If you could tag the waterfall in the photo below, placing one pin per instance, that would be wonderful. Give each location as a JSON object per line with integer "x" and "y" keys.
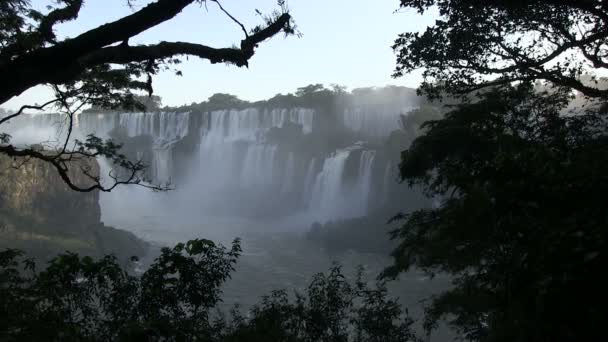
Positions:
{"x": 287, "y": 184}
{"x": 165, "y": 128}
{"x": 386, "y": 183}
{"x": 162, "y": 127}
{"x": 373, "y": 121}
{"x": 278, "y": 118}
{"x": 234, "y": 165}
{"x": 49, "y": 130}
{"x": 162, "y": 165}
{"x": 231, "y": 141}
{"x": 173, "y": 126}
{"x": 233, "y": 125}
{"x": 97, "y": 124}
{"x": 231, "y": 132}
{"x": 248, "y": 124}
{"x": 137, "y": 124}
{"x": 259, "y": 166}
{"x": 331, "y": 198}
{"x": 327, "y": 194}
{"x": 365, "y": 180}
{"x": 308, "y": 181}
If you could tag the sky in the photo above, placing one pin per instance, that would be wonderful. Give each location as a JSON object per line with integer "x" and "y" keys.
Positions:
{"x": 347, "y": 42}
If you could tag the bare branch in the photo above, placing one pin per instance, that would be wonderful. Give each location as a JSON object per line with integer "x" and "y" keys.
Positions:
{"x": 56, "y": 64}
{"x": 20, "y": 111}
{"x": 231, "y": 17}
{"x": 60, "y": 165}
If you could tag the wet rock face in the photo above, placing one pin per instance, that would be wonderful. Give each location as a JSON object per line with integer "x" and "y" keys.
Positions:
{"x": 41, "y": 215}
{"x": 34, "y": 189}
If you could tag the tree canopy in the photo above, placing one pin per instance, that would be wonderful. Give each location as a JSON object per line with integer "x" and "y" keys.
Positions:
{"x": 475, "y": 44}
{"x": 176, "y": 299}
{"x": 518, "y": 172}
{"x": 521, "y": 218}
{"x": 101, "y": 68}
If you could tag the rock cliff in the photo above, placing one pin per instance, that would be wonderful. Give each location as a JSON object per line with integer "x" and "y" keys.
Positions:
{"x": 40, "y": 214}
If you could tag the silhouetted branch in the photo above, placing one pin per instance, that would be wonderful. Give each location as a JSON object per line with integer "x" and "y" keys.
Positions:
{"x": 67, "y": 13}
{"x": 231, "y": 17}
{"x": 61, "y": 166}
{"x": 20, "y": 111}
{"x": 57, "y": 63}
{"x": 83, "y": 71}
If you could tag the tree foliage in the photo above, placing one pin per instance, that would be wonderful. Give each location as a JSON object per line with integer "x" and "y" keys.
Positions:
{"x": 495, "y": 42}
{"x": 519, "y": 172}
{"x": 521, "y": 226}
{"x": 176, "y": 299}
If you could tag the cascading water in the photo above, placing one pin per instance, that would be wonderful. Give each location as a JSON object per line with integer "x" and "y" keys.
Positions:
{"x": 48, "y": 130}
{"x": 162, "y": 165}
{"x": 162, "y": 127}
{"x": 259, "y": 166}
{"x": 364, "y": 183}
{"x": 165, "y": 129}
{"x": 333, "y": 199}
{"x": 386, "y": 182}
{"x": 234, "y": 156}
{"x": 309, "y": 182}
{"x": 234, "y": 141}
{"x": 288, "y": 182}
{"x": 173, "y": 126}
{"x": 137, "y": 124}
{"x": 278, "y": 118}
{"x": 97, "y": 124}
{"x": 373, "y": 121}
{"x": 328, "y": 196}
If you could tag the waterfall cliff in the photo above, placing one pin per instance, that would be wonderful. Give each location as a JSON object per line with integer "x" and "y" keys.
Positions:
{"x": 330, "y": 162}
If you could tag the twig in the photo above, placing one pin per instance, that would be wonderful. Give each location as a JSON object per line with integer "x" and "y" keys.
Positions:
{"x": 41, "y": 107}
{"x": 231, "y": 17}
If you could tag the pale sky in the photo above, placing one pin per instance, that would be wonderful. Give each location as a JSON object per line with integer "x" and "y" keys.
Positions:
{"x": 344, "y": 41}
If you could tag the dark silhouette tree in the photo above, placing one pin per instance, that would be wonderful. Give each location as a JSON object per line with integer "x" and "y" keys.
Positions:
{"x": 519, "y": 173}
{"x": 521, "y": 226}
{"x": 176, "y": 298}
{"x": 99, "y": 67}
{"x": 475, "y": 44}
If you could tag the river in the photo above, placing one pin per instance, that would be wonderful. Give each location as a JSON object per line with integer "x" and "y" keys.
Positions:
{"x": 276, "y": 254}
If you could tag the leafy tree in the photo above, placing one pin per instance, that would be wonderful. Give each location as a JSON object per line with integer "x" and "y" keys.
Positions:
{"x": 475, "y": 44}
{"x": 520, "y": 173}
{"x": 411, "y": 122}
{"x": 310, "y": 89}
{"x": 99, "y": 67}
{"x": 219, "y": 100}
{"x": 521, "y": 226}
{"x": 82, "y": 299}
{"x": 145, "y": 102}
{"x": 77, "y": 299}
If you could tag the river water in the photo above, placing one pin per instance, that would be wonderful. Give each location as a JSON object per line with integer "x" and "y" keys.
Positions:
{"x": 276, "y": 254}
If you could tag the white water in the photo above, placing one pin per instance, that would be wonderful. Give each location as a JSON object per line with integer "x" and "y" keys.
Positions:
{"x": 364, "y": 184}
{"x": 328, "y": 195}
{"x": 288, "y": 181}
{"x": 386, "y": 182}
{"x": 259, "y": 166}
{"x": 234, "y": 157}
{"x": 374, "y": 122}
{"x": 309, "y": 182}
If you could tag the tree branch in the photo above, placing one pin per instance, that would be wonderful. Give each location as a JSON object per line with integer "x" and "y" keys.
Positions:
{"x": 46, "y": 65}
{"x": 60, "y": 165}
{"x": 67, "y": 13}
{"x": 231, "y": 17}
{"x": 20, "y": 111}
